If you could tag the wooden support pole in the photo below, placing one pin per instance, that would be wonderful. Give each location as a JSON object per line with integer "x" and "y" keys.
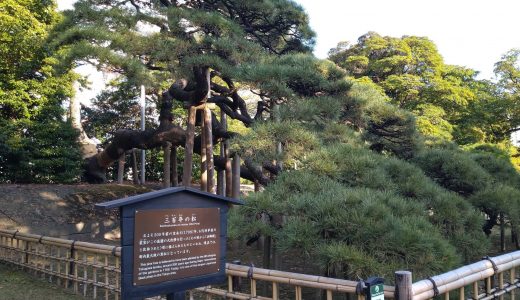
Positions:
{"x": 121, "y": 169}
{"x": 167, "y": 165}
{"x": 403, "y": 285}
{"x": 221, "y": 174}
{"x": 188, "y": 150}
{"x": 203, "y": 159}
{"x": 174, "y": 172}
{"x": 135, "y": 176}
{"x": 221, "y": 190}
{"x": 208, "y": 127}
{"x": 229, "y": 171}
{"x": 236, "y": 177}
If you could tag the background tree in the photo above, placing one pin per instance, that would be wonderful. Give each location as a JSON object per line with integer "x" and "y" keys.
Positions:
{"x": 36, "y": 144}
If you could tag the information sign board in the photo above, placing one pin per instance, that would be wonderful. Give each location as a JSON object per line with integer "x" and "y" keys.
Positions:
{"x": 175, "y": 243}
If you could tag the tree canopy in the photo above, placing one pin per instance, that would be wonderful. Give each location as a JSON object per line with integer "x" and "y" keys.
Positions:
{"x": 36, "y": 145}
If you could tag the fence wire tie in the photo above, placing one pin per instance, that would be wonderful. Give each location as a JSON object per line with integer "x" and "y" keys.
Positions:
{"x": 114, "y": 251}
{"x": 40, "y": 239}
{"x": 15, "y": 233}
{"x": 250, "y": 271}
{"x": 435, "y": 289}
{"x": 495, "y": 269}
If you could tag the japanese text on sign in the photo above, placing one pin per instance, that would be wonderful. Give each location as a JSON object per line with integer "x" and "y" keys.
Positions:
{"x": 171, "y": 244}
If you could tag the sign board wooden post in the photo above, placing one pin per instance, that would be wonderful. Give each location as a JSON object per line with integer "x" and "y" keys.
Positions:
{"x": 172, "y": 240}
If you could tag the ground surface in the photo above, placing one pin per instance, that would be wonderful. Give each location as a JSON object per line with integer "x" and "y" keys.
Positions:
{"x": 64, "y": 211}
{"x": 18, "y": 285}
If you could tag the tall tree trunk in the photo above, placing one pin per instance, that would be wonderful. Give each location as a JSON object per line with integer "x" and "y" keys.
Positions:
{"x": 135, "y": 175}
{"x": 502, "y": 233}
{"x": 87, "y": 146}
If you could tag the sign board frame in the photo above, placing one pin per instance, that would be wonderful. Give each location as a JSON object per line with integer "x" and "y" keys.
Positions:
{"x": 167, "y": 200}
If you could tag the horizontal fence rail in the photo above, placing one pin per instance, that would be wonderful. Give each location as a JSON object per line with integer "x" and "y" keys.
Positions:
{"x": 279, "y": 282}
{"x": 88, "y": 269}
{"x": 490, "y": 278}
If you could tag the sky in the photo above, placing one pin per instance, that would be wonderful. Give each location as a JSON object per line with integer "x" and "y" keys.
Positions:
{"x": 471, "y": 33}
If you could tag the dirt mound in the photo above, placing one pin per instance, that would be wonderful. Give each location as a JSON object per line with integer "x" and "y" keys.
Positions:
{"x": 65, "y": 211}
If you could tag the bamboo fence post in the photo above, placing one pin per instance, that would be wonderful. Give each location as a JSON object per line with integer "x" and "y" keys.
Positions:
{"x": 85, "y": 274}
{"x": 461, "y": 294}
{"x": 447, "y": 296}
{"x": 475, "y": 290}
{"x": 166, "y": 166}
{"x": 208, "y": 128}
{"x": 107, "y": 282}
{"x": 203, "y": 158}
{"x": 512, "y": 279}
{"x": 488, "y": 285}
{"x": 501, "y": 284}
{"x": 236, "y": 177}
{"x": 117, "y": 279}
{"x": 298, "y": 292}
{"x": 329, "y": 295}
{"x": 276, "y": 291}
{"x": 253, "y": 287}
{"x": 26, "y": 256}
{"x": 58, "y": 255}
{"x": 230, "y": 283}
{"x": 188, "y": 150}
{"x": 403, "y": 285}
{"x": 121, "y": 168}
{"x": 51, "y": 263}
{"x": 68, "y": 264}
{"x": 75, "y": 268}
{"x": 94, "y": 275}
{"x": 174, "y": 173}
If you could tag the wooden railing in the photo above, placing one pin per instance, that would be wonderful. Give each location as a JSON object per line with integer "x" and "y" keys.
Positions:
{"x": 291, "y": 285}
{"x": 89, "y": 269}
{"x": 490, "y": 278}
{"x": 93, "y": 270}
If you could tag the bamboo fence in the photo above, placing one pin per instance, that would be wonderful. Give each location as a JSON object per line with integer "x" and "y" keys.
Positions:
{"x": 88, "y": 269}
{"x": 490, "y": 278}
{"x": 93, "y": 270}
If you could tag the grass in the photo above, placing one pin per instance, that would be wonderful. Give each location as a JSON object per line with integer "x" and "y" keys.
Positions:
{"x": 18, "y": 285}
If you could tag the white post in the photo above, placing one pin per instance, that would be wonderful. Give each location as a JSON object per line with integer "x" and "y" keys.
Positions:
{"x": 143, "y": 153}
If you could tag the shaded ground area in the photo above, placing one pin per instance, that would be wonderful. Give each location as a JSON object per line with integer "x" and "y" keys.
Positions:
{"x": 64, "y": 211}
{"x": 18, "y": 285}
